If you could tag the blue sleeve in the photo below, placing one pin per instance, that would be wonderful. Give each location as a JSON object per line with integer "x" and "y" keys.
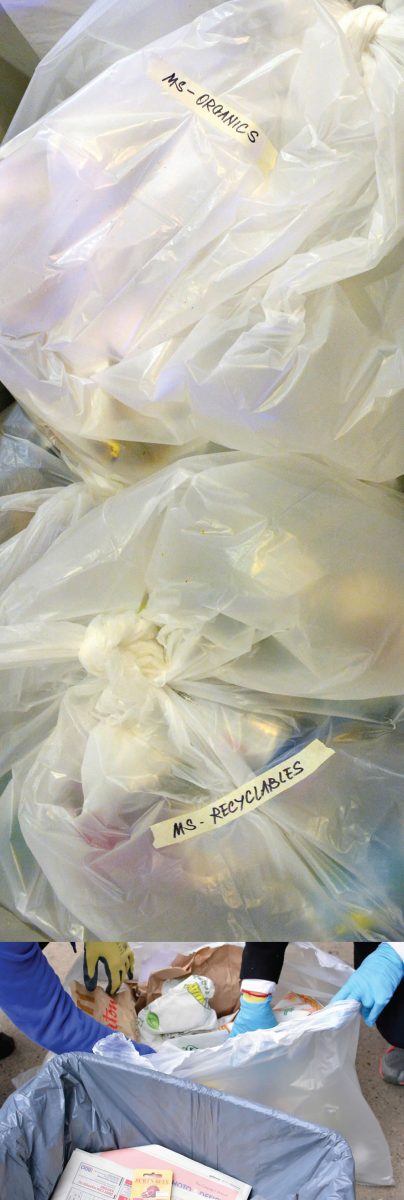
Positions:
{"x": 33, "y": 997}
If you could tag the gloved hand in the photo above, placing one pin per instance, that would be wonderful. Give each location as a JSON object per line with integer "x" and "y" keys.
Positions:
{"x": 374, "y": 983}
{"x": 116, "y": 957}
{"x": 253, "y": 1016}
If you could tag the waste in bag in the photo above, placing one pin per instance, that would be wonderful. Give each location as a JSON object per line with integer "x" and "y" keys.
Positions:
{"x": 258, "y": 155}
{"x": 143, "y": 652}
{"x": 305, "y": 1067}
{"x": 83, "y": 1101}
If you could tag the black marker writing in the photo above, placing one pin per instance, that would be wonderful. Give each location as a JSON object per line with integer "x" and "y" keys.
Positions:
{"x": 179, "y": 829}
{"x": 173, "y": 81}
{"x": 209, "y": 103}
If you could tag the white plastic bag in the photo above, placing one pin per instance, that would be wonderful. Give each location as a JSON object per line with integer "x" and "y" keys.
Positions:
{"x": 107, "y": 31}
{"x": 253, "y": 574}
{"x": 305, "y": 1068}
{"x": 184, "y": 1006}
{"x": 166, "y": 288}
{"x": 24, "y": 888}
{"x": 140, "y": 652}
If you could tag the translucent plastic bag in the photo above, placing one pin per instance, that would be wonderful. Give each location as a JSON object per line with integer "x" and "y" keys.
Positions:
{"x": 327, "y": 863}
{"x": 107, "y": 31}
{"x": 148, "y": 641}
{"x": 305, "y": 1068}
{"x": 223, "y": 569}
{"x": 24, "y": 888}
{"x": 242, "y": 285}
{"x": 36, "y": 506}
{"x": 29, "y": 473}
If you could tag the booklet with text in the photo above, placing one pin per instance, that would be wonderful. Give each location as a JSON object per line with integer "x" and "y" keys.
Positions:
{"x": 191, "y": 1180}
{"x": 90, "y": 1177}
{"x": 110, "y": 1175}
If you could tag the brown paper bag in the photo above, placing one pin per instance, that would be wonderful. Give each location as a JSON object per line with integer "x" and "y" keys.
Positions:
{"x": 222, "y": 964}
{"x": 118, "y": 1013}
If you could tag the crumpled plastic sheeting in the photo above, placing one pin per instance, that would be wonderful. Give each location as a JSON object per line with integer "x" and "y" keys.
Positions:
{"x": 253, "y": 310}
{"x": 222, "y": 570}
{"x": 24, "y": 888}
{"x": 305, "y": 861}
{"x": 140, "y": 650}
{"x": 78, "y": 1100}
{"x": 107, "y": 31}
{"x": 44, "y": 22}
{"x": 36, "y": 506}
{"x": 29, "y": 474}
{"x": 306, "y": 1067}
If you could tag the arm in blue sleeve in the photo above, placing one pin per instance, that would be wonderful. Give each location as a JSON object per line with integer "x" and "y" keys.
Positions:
{"x": 33, "y": 997}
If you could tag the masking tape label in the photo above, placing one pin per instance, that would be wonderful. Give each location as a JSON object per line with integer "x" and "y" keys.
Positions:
{"x": 245, "y": 799}
{"x": 219, "y": 113}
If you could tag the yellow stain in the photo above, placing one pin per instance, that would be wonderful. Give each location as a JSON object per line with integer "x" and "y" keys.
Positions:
{"x": 114, "y": 448}
{"x": 359, "y": 920}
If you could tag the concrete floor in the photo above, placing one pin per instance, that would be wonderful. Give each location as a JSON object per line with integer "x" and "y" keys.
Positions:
{"x": 387, "y": 1102}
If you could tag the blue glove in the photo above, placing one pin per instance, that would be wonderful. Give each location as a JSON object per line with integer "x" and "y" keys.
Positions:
{"x": 374, "y": 983}
{"x": 253, "y": 1016}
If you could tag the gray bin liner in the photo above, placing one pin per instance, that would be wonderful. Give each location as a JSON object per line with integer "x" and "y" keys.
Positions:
{"x": 79, "y": 1101}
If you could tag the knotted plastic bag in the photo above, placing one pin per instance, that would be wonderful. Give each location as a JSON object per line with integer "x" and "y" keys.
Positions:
{"x": 153, "y": 658}
{"x": 211, "y": 247}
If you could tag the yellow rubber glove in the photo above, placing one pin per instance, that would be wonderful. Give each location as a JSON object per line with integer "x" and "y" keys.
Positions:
{"x": 117, "y": 959}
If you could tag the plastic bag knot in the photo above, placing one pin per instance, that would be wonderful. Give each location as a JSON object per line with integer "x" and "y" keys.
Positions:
{"x": 125, "y": 633}
{"x": 361, "y": 27}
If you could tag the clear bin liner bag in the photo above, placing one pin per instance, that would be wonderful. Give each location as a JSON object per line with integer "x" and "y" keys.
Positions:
{"x": 141, "y": 650}
{"x": 177, "y": 281}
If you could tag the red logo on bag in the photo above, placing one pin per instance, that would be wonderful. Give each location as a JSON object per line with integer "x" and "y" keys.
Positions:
{"x": 111, "y": 1015}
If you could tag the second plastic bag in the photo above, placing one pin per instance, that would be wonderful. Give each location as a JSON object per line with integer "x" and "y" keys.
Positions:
{"x": 305, "y": 1068}
{"x": 157, "y": 769}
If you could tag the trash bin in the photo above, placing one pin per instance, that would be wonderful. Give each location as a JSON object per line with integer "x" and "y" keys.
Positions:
{"x": 79, "y": 1101}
